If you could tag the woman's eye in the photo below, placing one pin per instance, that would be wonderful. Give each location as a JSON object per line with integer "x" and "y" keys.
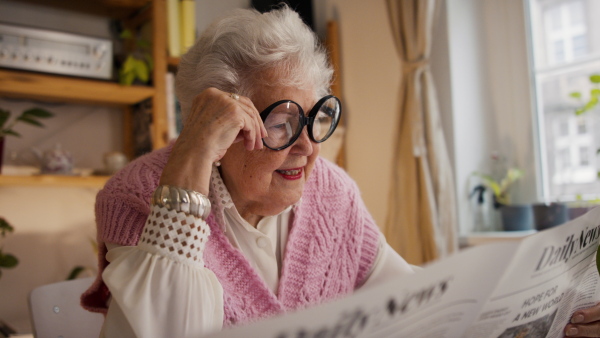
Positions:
{"x": 278, "y": 126}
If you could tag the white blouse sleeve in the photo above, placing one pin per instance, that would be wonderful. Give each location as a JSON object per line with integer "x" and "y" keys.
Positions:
{"x": 160, "y": 288}
{"x": 388, "y": 264}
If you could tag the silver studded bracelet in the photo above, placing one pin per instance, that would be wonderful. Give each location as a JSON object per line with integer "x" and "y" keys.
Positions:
{"x": 179, "y": 199}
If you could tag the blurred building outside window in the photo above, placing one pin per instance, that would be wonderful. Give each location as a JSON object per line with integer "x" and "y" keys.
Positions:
{"x": 565, "y": 46}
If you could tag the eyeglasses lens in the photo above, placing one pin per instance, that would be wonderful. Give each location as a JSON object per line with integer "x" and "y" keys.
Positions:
{"x": 282, "y": 124}
{"x": 325, "y": 119}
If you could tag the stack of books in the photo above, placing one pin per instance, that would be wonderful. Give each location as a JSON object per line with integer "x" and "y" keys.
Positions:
{"x": 181, "y": 26}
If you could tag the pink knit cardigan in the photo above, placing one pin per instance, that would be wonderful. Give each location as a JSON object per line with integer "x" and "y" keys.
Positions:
{"x": 331, "y": 246}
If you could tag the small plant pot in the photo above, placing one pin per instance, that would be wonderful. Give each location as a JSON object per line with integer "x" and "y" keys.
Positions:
{"x": 550, "y": 215}
{"x": 575, "y": 212}
{"x": 517, "y": 217}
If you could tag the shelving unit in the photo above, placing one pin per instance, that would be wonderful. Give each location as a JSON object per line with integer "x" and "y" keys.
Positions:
{"x": 54, "y": 180}
{"x": 73, "y": 90}
{"x": 53, "y": 88}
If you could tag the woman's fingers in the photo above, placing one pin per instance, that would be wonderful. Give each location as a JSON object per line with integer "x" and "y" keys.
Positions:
{"x": 585, "y": 323}
{"x": 256, "y": 114}
{"x": 583, "y": 330}
{"x": 216, "y": 121}
{"x": 589, "y": 315}
{"x": 255, "y": 130}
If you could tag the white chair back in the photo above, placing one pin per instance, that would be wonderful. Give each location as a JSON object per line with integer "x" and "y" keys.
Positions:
{"x": 56, "y": 311}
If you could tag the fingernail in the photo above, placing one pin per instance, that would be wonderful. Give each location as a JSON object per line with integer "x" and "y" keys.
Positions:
{"x": 572, "y": 331}
{"x": 577, "y": 319}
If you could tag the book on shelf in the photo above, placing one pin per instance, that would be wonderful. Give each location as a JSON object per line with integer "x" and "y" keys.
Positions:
{"x": 173, "y": 34}
{"x": 181, "y": 26}
{"x": 525, "y": 288}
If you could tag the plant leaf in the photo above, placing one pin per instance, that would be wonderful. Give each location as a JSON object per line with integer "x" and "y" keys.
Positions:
{"x": 38, "y": 112}
{"x": 595, "y": 92}
{"x": 149, "y": 61}
{"x": 129, "y": 64}
{"x": 75, "y": 272}
{"x": 141, "y": 71}
{"x": 126, "y": 78}
{"x": 143, "y": 43}
{"x": 8, "y": 261}
{"x": 591, "y": 103}
{"x": 11, "y": 132}
{"x": 30, "y": 120}
{"x": 4, "y": 116}
{"x": 126, "y": 34}
{"x": 575, "y": 95}
{"x": 5, "y": 227}
{"x": 595, "y": 78}
{"x": 489, "y": 182}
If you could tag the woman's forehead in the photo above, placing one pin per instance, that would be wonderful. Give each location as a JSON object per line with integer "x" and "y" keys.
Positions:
{"x": 268, "y": 95}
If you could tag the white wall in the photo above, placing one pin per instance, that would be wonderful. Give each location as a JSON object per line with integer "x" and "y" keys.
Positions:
{"x": 370, "y": 70}
{"x": 53, "y": 232}
{"x": 469, "y": 107}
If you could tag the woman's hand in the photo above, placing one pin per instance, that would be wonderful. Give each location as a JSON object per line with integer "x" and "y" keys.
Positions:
{"x": 585, "y": 323}
{"x": 215, "y": 122}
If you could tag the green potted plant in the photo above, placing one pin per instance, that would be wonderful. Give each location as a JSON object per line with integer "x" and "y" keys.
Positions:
{"x": 138, "y": 62}
{"x": 514, "y": 216}
{"x": 7, "y": 260}
{"x": 30, "y": 116}
{"x": 500, "y": 187}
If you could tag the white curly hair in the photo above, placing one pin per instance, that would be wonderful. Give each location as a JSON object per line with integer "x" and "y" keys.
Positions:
{"x": 234, "y": 51}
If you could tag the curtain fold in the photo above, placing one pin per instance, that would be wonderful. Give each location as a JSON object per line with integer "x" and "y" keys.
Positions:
{"x": 421, "y": 221}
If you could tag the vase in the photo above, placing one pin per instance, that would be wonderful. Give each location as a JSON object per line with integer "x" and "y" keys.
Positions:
{"x": 550, "y": 215}
{"x": 575, "y": 212}
{"x": 517, "y": 217}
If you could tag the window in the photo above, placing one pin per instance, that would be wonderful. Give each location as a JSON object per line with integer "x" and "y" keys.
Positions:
{"x": 584, "y": 158}
{"x": 579, "y": 46}
{"x": 564, "y": 128}
{"x": 581, "y": 126}
{"x": 565, "y": 42}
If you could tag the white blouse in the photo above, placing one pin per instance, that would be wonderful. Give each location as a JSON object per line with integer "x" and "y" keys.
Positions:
{"x": 156, "y": 286}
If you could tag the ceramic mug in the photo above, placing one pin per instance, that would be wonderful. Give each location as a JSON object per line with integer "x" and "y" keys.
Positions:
{"x": 114, "y": 161}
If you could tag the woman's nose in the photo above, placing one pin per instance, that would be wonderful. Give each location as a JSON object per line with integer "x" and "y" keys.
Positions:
{"x": 303, "y": 145}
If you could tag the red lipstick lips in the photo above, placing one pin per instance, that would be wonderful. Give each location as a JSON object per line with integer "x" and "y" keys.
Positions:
{"x": 291, "y": 174}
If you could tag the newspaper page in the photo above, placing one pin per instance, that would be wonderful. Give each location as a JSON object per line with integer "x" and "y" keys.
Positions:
{"x": 552, "y": 274}
{"x": 441, "y": 300}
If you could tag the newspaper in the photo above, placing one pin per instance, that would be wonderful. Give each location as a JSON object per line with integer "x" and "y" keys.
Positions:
{"x": 526, "y": 288}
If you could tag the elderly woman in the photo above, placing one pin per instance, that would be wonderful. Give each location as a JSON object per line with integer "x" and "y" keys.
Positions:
{"x": 239, "y": 219}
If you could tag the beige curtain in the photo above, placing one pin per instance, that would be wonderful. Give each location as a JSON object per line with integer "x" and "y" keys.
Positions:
{"x": 421, "y": 220}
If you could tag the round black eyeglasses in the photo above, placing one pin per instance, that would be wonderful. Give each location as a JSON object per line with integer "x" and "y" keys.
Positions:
{"x": 284, "y": 121}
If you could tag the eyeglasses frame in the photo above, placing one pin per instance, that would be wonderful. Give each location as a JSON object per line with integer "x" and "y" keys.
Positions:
{"x": 305, "y": 121}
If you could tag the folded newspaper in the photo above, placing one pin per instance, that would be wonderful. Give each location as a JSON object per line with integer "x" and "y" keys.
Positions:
{"x": 525, "y": 288}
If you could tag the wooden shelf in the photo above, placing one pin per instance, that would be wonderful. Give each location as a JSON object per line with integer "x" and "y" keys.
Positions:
{"x": 117, "y": 9}
{"x": 54, "y": 181}
{"x": 65, "y": 89}
{"x": 173, "y": 61}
